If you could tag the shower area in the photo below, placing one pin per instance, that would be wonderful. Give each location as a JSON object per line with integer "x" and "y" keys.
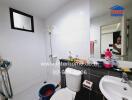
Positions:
{"x": 52, "y": 67}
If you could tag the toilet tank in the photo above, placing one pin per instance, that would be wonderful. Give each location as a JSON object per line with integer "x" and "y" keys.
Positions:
{"x": 73, "y": 79}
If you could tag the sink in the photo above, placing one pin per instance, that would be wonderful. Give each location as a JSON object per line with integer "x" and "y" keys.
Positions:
{"x": 113, "y": 89}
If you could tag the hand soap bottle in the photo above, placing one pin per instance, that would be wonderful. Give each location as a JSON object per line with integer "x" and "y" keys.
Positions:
{"x": 108, "y": 56}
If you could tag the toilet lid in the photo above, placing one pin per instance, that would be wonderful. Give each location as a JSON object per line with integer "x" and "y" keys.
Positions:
{"x": 63, "y": 94}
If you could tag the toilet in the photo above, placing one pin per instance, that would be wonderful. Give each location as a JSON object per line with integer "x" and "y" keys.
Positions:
{"x": 73, "y": 83}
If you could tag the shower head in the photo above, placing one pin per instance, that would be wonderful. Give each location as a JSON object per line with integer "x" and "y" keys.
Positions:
{"x": 50, "y": 29}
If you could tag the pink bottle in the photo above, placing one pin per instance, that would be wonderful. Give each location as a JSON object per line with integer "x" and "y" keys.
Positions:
{"x": 107, "y": 62}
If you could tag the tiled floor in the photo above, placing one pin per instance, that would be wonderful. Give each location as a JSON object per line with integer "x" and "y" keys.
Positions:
{"x": 29, "y": 94}
{"x": 33, "y": 92}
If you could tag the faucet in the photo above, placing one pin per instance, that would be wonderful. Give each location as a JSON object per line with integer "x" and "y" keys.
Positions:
{"x": 124, "y": 78}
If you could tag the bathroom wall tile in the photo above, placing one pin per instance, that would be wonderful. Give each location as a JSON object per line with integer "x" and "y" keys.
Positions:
{"x": 86, "y": 74}
{"x": 116, "y": 74}
{"x": 63, "y": 82}
{"x": 95, "y": 81}
{"x": 95, "y": 96}
{"x": 98, "y": 72}
{"x": 83, "y": 94}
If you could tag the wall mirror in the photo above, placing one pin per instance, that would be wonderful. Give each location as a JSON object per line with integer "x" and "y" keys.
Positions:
{"x": 111, "y": 38}
{"x": 115, "y": 37}
{"x": 113, "y": 32}
{"x": 21, "y": 21}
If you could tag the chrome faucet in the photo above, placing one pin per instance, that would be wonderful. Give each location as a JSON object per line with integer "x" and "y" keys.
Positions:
{"x": 124, "y": 78}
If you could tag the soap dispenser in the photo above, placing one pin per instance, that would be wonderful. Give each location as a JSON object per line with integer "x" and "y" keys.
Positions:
{"x": 108, "y": 58}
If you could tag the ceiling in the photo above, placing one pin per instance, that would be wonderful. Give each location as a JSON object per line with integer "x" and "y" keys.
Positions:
{"x": 100, "y": 7}
{"x": 44, "y": 8}
{"x": 111, "y": 28}
{"x": 40, "y": 8}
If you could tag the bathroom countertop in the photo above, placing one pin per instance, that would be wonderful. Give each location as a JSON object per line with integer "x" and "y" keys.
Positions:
{"x": 91, "y": 73}
{"x": 65, "y": 62}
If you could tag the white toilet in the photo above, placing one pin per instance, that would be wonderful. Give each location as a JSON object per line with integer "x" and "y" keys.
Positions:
{"x": 73, "y": 82}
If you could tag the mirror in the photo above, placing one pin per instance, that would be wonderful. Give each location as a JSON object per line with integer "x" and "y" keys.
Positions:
{"x": 111, "y": 38}
{"x": 21, "y": 21}
{"x": 113, "y": 32}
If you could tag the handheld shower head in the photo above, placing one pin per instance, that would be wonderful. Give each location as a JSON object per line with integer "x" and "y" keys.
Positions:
{"x": 50, "y": 29}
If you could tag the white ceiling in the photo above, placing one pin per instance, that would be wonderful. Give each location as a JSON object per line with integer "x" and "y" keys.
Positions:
{"x": 111, "y": 28}
{"x": 40, "y": 8}
{"x": 44, "y": 8}
{"x": 100, "y": 7}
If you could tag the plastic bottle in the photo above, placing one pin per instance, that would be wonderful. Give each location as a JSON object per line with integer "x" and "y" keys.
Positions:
{"x": 114, "y": 62}
{"x": 108, "y": 56}
{"x": 70, "y": 56}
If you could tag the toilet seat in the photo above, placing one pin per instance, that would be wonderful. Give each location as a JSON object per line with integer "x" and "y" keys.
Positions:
{"x": 64, "y": 94}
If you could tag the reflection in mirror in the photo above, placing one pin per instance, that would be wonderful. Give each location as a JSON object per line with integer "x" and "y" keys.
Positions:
{"x": 21, "y": 21}
{"x": 111, "y": 38}
{"x": 113, "y": 32}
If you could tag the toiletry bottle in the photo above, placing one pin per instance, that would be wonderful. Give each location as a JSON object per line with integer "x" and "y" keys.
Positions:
{"x": 107, "y": 62}
{"x": 114, "y": 62}
{"x": 70, "y": 56}
{"x": 76, "y": 58}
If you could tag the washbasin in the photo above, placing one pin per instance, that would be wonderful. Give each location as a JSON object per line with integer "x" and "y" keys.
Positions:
{"x": 114, "y": 89}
